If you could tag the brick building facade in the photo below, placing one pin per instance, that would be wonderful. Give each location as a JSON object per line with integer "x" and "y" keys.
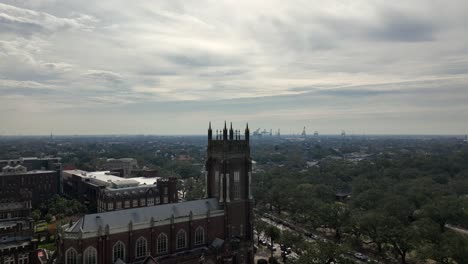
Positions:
{"x": 217, "y": 229}
{"x": 39, "y": 164}
{"x": 42, "y": 184}
{"x": 16, "y": 228}
{"x": 163, "y": 192}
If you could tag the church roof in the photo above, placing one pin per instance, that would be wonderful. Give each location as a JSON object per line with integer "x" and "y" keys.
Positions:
{"x": 150, "y": 260}
{"x": 91, "y": 222}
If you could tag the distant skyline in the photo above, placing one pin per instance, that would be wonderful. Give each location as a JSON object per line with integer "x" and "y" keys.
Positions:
{"x": 169, "y": 67}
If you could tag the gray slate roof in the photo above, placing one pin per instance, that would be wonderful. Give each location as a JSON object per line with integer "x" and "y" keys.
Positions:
{"x": 91, "y": 222}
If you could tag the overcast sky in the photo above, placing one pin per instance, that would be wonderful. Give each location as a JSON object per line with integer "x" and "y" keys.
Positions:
{"x": 170, "y": 67}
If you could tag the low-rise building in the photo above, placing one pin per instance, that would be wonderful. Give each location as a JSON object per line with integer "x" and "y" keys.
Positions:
{"x": 125, "y": 165}
{"x": 102, "y": 191}
{"x": 41, "y": 183}
{"x": 38, "y": 164}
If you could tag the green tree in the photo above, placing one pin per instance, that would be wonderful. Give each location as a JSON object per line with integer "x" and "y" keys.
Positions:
{"x": 445, "y": 210}
{"x": 259, "y": 227}
{"x": 373, "y": 225}
{"x": 335, "y": 216}
{"x": 36, "y": 215}
{"x": 292, "y": 239}
{"x": 324, "y": 252}
{"x": 273, "y": 233}
{"x": 402, "y": 237}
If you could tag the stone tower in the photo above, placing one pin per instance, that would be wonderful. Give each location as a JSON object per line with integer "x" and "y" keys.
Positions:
{"x": 228, "y": 178}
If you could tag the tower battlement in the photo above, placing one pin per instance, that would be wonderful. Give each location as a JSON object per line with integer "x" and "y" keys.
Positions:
{"x": 228, "y": 141}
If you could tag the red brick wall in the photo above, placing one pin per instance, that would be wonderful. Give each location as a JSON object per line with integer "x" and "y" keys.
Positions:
{"x": 214, "y": 228}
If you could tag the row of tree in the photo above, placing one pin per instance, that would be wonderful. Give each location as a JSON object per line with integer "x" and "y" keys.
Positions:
{"x": 394, "y": 204}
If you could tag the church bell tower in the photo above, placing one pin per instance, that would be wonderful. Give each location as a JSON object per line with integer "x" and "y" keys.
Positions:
{"x": 228, "y": 178}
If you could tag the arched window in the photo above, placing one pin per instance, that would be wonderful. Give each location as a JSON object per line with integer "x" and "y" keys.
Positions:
{"x": 70, "y": 256}
{"x": 181, "y": 239}
{"x": 90, "y": 256}
{"x": 23, "y": 258}
{"x": 199, "y": 236}
{"x": 216, "y": 183}
{"x": 118, "y": 251}
{"x": 9, "y": 260}
{"x": 161, "y": 243}
{"x": 140, "y": 247}
{"x": 237, "y": 191}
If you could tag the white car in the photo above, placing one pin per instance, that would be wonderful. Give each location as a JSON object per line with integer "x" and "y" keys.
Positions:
{"x": 361, "y": 256}
{"x": 271, "y": 246}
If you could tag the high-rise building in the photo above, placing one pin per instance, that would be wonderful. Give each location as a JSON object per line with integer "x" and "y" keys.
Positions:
{"x": 17, "y": 244}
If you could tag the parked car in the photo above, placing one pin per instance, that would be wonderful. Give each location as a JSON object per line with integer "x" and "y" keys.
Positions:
{"x": 312, "y": 235}
{"x": 271, "y": 246}
{"x": 361, "y": 256}
{"x": 292, "y": 256}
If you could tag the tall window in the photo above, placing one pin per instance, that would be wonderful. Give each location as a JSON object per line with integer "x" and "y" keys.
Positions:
{"x": 135, "y": 203}
{"x": 158, "y": 200}
{"x": 70, "y": 256}
{"x": 9, "y": 260}
{"x": 236, "y": 185}
{"x": 140, "y": 250}
{"x": 23, "y": 258}
{"x": 142, "y": 202}
{"x": 118, "y": 205}
{"x": 216, "y": 183}
{"x": 199, "y": 236}
{"x": 110, "y": 206}
{"x": 90, "y": 256}
{"x": 127, "y": 204}
{"x": 118, "y": 252}
{"x": 181, "y": 239}
{"x": 150, "y": 201}
{"x": 161, "y": 243}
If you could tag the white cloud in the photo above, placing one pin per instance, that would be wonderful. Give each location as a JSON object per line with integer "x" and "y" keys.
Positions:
{"x": 104, "y": 54}
{"x": 26, "y": 21}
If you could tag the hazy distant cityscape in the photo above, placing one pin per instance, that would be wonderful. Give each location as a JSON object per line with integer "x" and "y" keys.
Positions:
{"x": 233, "y": 132}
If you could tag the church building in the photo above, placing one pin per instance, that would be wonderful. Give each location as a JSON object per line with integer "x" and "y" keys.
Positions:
{"x": 216, "y": 229}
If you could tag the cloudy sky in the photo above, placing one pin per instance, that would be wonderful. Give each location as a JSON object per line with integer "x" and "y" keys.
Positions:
{"x": 169, "y": 67}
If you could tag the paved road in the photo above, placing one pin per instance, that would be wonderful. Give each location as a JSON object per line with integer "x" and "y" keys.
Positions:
{"x": 457, "y": 229}
{"x": 308, "y": 239}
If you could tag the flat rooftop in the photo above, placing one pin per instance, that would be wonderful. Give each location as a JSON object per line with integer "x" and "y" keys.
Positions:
{"x": 28, "y": 172}
{"x": 109, "y": 180}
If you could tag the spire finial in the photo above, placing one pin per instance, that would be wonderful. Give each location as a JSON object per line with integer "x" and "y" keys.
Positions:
{"x": 210, "y": 132}
{"x": 247, "y": 133}
{"x": 231, "y": 133}
{"x": 225, "y": 133}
